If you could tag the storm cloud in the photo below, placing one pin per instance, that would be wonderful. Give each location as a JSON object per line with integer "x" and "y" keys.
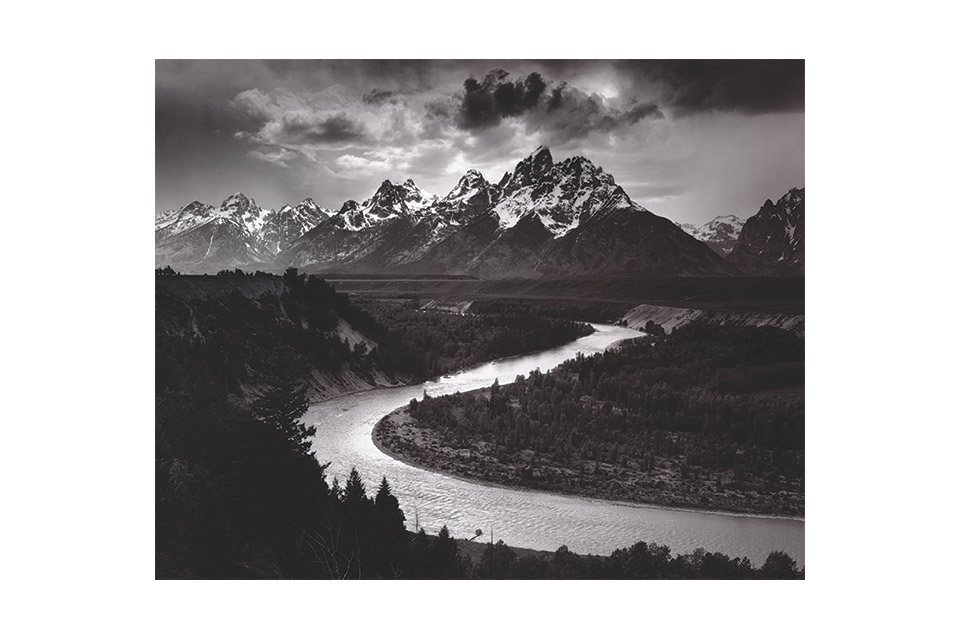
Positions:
{"x": 751, "y": 86}
{"x": 688, "y": 139}
{"x": 486, "y": 102}
{"x": 562, "y": 111}
{"x": 571, "y": 114}
{"x": 337, "y": 128}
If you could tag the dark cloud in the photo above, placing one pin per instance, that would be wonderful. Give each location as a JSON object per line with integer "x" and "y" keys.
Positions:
{"x": 335, "y": 129}
{"x": 410, "y": 75}
{"x": 514, "y": 98}
{"x": 746, "y": 86}
{"x": 556, "y": 96}
{"x": 639, "y": 111}
{"x": 573, "y": 114}
{"x": 486, "y": 102}
{"x": 564, "y": 111}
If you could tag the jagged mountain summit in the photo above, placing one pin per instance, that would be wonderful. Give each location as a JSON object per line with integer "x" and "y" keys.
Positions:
{"x": 201, "y": 238}
{"x": 568, "y": 217}
{"x": 771, "y": 242}
{"x": 390, "y": 202}
{"x": 720, "y": 234}
{"x": 376, "y": 233}
{"x": 542, "y": 218}
{"x": 558, "y": 195}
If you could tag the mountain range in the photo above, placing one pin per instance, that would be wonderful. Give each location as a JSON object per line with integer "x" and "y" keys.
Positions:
{"x": 542, "y": 218}
{"x": 202, "y": 238}
{"x": 720, "y": 234}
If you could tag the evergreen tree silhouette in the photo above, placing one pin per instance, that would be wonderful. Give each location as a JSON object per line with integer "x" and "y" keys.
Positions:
{"x": 281, "y": 408}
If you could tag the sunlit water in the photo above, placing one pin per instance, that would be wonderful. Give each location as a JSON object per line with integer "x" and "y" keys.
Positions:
{"x": 528, "y": 519}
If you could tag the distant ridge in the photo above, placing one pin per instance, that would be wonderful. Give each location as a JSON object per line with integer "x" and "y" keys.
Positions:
{"x": 542, "y": 218}
{"x": 720, "y": 234}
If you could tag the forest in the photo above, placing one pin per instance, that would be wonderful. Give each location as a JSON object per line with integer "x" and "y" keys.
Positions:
{"x": 239, "y": 493}
{"x": 239, "y": 341}
{"x": 709, "y": 417}
{"x": 436, "y": 342}
{"x": 641, "y": 561}
{"x": 235, "y": 342}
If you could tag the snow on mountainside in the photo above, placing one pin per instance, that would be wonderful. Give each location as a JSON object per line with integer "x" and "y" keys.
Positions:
{"x": 290, "y": 223}
{"x": 568, "y": 217}
{"x": 199, "y": 237}
{"x": 720, "y": 234}
{"x": 772, "y": 240}
{"x": 393, "y": 227}
{"x": 560, "y": 195}
{"x": 389, "y": 203}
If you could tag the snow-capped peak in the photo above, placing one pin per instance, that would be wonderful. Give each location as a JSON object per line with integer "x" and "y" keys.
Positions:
{"x": 236, "y": 201}
{"x": 414, "y": 197}
{"x": 721, "y": 233}
{"x": 307, "y": 210}
{"x": 530, "y": 169}
{"x": 561, "y": 195}
{"x": 469, "y": 184}
{"x": 721, "y": 229}
{"x": 243, "y": 210}
{"x": 390, "y": 201}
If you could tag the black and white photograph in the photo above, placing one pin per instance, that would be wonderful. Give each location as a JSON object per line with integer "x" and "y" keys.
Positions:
{"x": 480, "y": 319}
{"x": 500, "y": 320}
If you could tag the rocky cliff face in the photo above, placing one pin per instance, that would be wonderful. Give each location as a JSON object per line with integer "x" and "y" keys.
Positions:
{"x": 772, "y": 240}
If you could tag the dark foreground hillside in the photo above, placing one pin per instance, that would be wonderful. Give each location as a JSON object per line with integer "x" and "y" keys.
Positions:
{"x": 242, "y": 332}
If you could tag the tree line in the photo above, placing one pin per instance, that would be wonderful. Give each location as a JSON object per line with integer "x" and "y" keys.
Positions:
{"x": 725, "y": 402}
{"x": 641, "y": 561}
{"x": 436, "y": 342}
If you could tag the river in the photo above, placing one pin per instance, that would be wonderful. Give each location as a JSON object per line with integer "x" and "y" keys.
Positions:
{"x": 530, "y": 519}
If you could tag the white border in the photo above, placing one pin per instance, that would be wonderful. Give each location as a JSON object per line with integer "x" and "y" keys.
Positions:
{"x": 77, "y": 476}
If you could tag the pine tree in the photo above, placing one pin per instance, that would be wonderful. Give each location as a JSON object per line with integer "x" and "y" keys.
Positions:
{"x": 383, "y": 493}
{"x": 355, "y": 492}
{"x": 388, "y": 507}
{"x": 281, "y": 409}
{"x": 445, "y": 561}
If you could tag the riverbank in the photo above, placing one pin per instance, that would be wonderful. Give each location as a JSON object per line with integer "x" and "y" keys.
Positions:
{"x": 400, "y": 436}
{"x": 672, "y": 317}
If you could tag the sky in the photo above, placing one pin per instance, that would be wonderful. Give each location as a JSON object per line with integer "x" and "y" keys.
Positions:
{"x": 688, "y": 139}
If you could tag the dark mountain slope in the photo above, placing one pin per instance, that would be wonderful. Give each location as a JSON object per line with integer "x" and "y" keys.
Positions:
{"x": 772, "y": 240}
